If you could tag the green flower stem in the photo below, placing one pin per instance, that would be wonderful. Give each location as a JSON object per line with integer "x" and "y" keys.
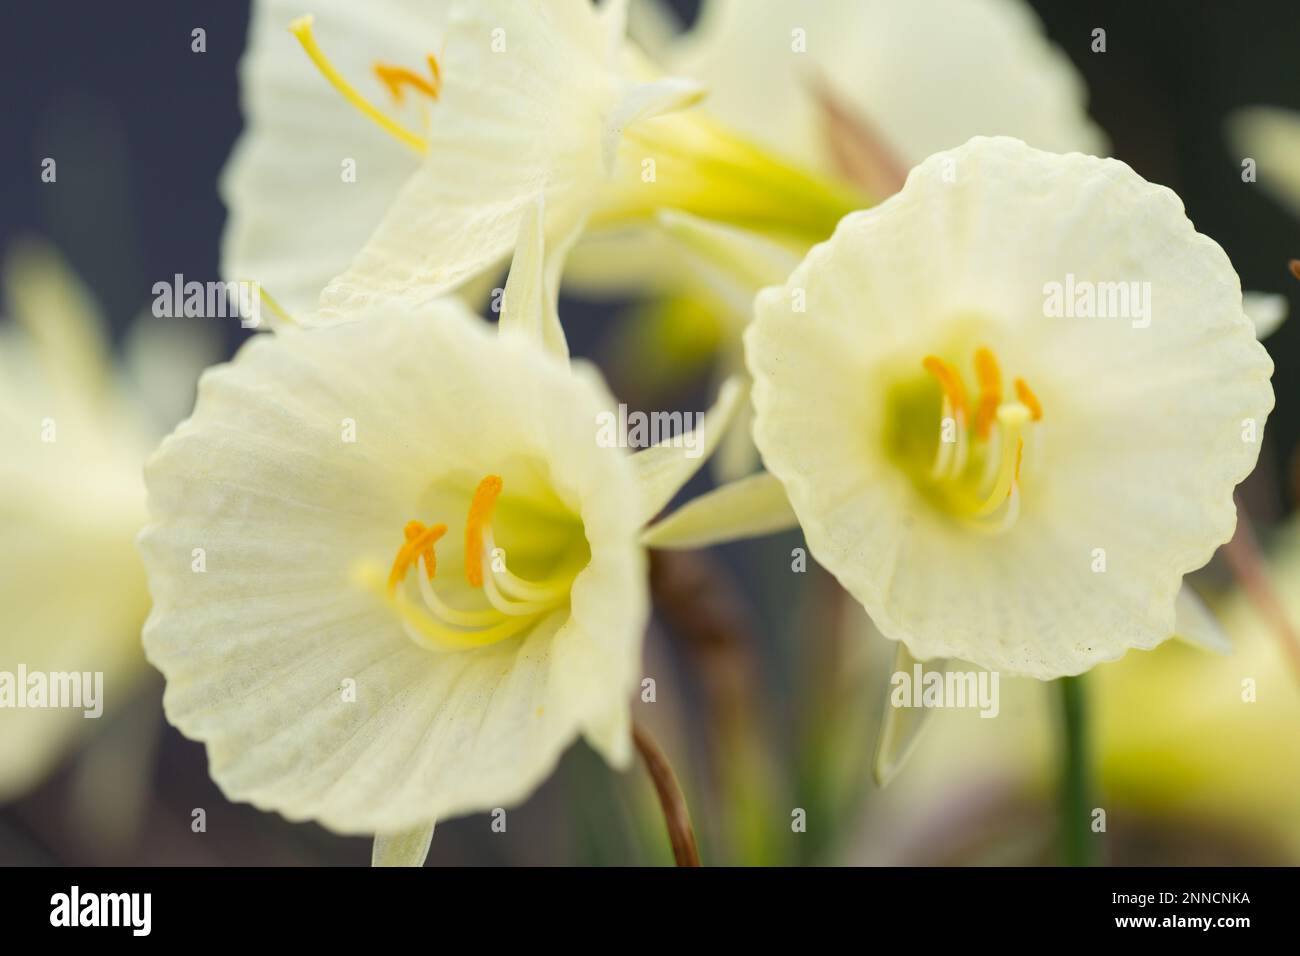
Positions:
{"x": 1076, "y": 834}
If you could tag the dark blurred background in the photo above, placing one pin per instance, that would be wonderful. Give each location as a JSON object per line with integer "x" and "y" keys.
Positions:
{"x": 141, "y": 205}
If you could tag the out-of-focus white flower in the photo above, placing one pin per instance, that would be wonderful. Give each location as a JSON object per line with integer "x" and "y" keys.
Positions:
{"x": 1270, "y": 135}
{"x": 75, "y": 433}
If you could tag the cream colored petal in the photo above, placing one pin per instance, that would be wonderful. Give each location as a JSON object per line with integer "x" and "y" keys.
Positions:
{"x": 664, "y": 468}
{"x": 1146, "y": 428}
{"x": 1267, "y": 310}
{"x": 746, "y": 508}
{"x": 262, "y": 650}
{"x": 526, "y": 88}
{"x": 1270, "y": 135}
{"x": 645, "y": 101}
{"x": 1195, "y": 624}
{"x": 529, "y": 304}
{"x": 72, "y": 589}
{"x": 311, "y": 177}
{"x": 737, "y": 455}
{"x": 927, "y": 74}
{"x": 408, "y": 848}
{"x": 900, "y": 727}
{"x": 61, "y": 320}
{"x": 732, "y": 263}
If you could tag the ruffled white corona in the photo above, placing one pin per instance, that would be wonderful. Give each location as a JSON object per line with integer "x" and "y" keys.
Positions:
{"x": 993, "y": 481}
{"x": 423, "y": 578}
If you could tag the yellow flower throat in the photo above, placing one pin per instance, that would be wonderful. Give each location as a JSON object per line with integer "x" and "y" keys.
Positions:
{"x": 975, "y": 470}
{"x": 511, "y": 603}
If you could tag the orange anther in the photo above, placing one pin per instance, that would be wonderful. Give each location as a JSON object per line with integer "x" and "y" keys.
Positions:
{"x": 480, "y": 515}
{"x": 398, "y": 78}
{"x": 1029, "y": 399}
{"x": 990, "y": 381}
{"x": 949, "y": 380}
{"x": 419, "y": 540}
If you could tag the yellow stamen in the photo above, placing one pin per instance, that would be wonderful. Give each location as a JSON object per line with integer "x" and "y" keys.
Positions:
{"x": 1029, "y": 399}
{"x": 990, "y": 381}
{"x": 949, "y": 380}
{"x": 480, "y": 515}
{"x": 398, "y": 78}
{"x": 301, "y": 28}
{"x": 1012, "y": 417}
{"x": 276, "y": 308}
{"x": 419, "y": 541}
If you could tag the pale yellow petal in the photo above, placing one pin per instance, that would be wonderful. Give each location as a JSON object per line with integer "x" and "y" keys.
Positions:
{"x": 900, "y": 727}
{"x": 1195, "y": 624}
{"x": 310, "y": 177}
{"x": 1270, "y": 135}
{"x": 664, "y": 468}
{"x": 407, "y": 848}
{"x": 745, "y": 508}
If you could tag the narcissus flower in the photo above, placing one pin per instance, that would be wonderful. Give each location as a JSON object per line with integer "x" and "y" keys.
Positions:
{"x": 924, "y": 76}
{"x": 422, "y": 578}
{"x": 310, "y": 178}
{"x": 502, "y": 103}
{"x": 992, "y": 482}
{"x": 75, "y": 432}
{"x": 825, "y": 83}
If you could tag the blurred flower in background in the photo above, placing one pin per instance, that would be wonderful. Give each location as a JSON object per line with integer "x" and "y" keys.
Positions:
{"x": 77, "y": 426}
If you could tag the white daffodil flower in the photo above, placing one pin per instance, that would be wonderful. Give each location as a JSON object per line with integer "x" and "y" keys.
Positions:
{"x": 826, "y": 84}
{"x": 311, "y": 178}
{"x": 998, "y": 476}
{"x": 421, "y": 577}
{"x": 861, "y": 90}
{"x": 505, "y": 102}
{"x": 75, "y": 434}
{"x": 925, "y": 75}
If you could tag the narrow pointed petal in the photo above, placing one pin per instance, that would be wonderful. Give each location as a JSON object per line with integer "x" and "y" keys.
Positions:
{"x": 58, "y": 313}
{"x": 529, "y": 306}
{"x": 900, "y": 727}
{"x": 1194, "y": 623}
{"x": 750, "y": 258}
{"x": 737, "y": 456}
{"x": 409, "y": 848}
{"x": 521, "y": 304}
{"x": 747, "y": 508}
{"x": 663, "y": 469}
{"x": 1266, "y": 309}
{"x": 645, "y": 101}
